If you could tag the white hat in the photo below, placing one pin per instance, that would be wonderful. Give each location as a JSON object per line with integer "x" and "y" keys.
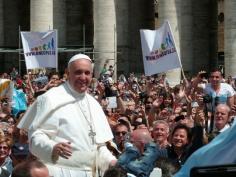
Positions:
{"x": 78, "y": 57}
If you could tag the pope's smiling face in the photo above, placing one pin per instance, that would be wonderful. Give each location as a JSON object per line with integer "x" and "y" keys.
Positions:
{"x": 80, "y": 74}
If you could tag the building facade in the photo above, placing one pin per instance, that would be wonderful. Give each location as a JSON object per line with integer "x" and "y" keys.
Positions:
{"x": 108, "y": 31}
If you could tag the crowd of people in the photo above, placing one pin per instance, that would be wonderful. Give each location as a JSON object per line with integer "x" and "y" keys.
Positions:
{"x": 141, "y": 122}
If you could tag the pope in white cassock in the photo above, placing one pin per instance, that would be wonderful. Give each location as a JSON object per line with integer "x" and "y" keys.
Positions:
{"x": 68, "y": 128}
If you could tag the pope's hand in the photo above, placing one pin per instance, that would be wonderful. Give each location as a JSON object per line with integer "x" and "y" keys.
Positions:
{"x": 63, "y": 150}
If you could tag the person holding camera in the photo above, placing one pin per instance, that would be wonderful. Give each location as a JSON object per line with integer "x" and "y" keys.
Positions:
{"x": 54, "y": 81}
{"x": 215, "y": 91}
{"x": 221, "y": 91}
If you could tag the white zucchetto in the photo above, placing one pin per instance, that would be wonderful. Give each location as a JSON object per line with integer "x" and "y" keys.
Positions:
{"x": 79, "y": 57}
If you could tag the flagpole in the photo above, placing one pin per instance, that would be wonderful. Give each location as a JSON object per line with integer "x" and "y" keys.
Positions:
{"x": 19, "y": 60}
{"x": 115, "y": 56}
{"x": 84, "y": 37}
{"x": 182, "y": 70}
{"x": 176, "y": 50}
{"x": 56, "y": 51}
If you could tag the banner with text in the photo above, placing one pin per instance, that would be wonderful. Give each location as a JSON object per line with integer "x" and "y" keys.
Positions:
{"x": 40, "y": 49}
{"x": 159, "y": 51}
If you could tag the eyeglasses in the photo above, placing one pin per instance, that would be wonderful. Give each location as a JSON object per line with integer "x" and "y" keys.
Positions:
{"x": 123, "y": 133}
{"x": 4, "y": 147}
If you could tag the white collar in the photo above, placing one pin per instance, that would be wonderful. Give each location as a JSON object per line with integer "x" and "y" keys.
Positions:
{"x": 75, "y": 93}
{"x": 225, "y": 128}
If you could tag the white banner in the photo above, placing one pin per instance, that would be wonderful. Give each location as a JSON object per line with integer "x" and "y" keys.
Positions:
{"x": 159, "y": 51}
{"x": 40, "y": 49}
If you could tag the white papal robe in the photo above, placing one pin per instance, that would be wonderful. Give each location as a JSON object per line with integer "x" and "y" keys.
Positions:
{"x": 63, "y": 115}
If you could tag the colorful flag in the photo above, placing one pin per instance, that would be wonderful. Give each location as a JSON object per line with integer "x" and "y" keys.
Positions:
{"x": 159, "y": 50}
{"x": 40, "y": 49}
{"x": 19, "y": 102}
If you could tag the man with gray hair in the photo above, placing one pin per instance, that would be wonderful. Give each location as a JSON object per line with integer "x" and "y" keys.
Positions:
{"x": 222, "y": 116}
{"x": 221, "y": 120}
{"x": 68, "y": 128}
{"x": 160, "y": 133}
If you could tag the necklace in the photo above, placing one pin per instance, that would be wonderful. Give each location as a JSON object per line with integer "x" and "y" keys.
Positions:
{"x": 91, "y": 133}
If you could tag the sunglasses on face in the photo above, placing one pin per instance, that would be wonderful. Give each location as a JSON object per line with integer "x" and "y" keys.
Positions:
{"x": 4, "y": 147}
{"x": 123, "y": 133}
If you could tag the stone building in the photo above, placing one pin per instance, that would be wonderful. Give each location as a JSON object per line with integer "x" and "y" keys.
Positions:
{"x": 108, "y": 31}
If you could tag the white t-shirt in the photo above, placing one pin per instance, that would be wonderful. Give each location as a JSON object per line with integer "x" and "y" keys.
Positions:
{"x": 222, "y": 96}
